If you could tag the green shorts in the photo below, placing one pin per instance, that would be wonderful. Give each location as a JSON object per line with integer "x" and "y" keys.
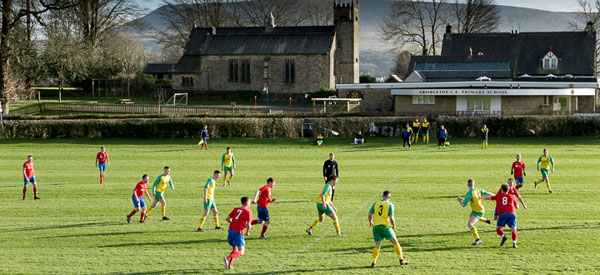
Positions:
{"x": 544, "y": 173}
{"x": 230, "y": 169}
{"x": 327, "y": 211}
{"x": 159, "y": 195}
{"x": 210, "y": 204}
{"x": 381, "y": 233}
{"x": 478, "y": 215}
{"x": 484, "y": 140}
{"x": 426, "y": 134}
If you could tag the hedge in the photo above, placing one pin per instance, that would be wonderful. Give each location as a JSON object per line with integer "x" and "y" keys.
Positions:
{"x": 285, "y": 127}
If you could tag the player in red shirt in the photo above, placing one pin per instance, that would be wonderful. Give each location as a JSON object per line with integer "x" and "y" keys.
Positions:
{"x": 505, "y": 203}
{"x": 513, "y": 191}
{"x": 102, "y": 161}
{"x": 138, "y": 199}
{"x": 29, "y": 176}
{"x": 263, "y": 204}
{"x": 238, "y": 219}
{"x": 518, "y": 170}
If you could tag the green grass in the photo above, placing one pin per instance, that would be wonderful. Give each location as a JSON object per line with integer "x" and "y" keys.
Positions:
{"x": 79, "y": 225}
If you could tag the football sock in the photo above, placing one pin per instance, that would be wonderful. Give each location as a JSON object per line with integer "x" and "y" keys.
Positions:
{"x": 255, "y": 222}
{"x": 375, "y": 254}
{"x": 224, "y": 180}
{"x": 163, "y": 209}
{"x": 539, "y": 181}
{"x": 500, "y": 232}
{"x": 143, "y": 216}
{"x": 486, "y": 145}
{"x": 264, "y": 230}
{"x": 314, "y": 224}
{"x": 230, "y": 178}
{"x": 398, "y": 251}
{"x": 235, "y": 254}
{"x": 132, "y": 213}
{"x": 514, "y": 236}
{"x": 101, "y": 177}
{"x": 474, "y": 232}
{"x": 35, "y": 190}
{"x": 150, "y": 209}
{"x": 483, "y": 219}
{"x": 547, "y": 185}
{"x": 24, "y": 192}
{"x": 216, "y": 218}
{"x": 202, "y": 219}
{"x": 336, "y": 225}
{"x": 518, "y": 186}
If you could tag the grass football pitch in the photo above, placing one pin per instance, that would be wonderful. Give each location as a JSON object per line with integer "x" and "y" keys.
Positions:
{"x": 79, "y": 226}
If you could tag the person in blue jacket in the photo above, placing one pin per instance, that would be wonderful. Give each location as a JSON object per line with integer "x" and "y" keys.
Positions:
{"x": 406, "y": 135}
{"x": 442, "y": 136}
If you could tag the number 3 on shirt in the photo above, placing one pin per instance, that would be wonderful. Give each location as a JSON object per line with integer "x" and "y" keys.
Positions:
{"x": 504, "y": 201}
{"x": 239, "y": 213}
{"x": 380, "y": 210}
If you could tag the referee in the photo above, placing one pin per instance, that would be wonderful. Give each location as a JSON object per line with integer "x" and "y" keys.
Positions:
{"x": 330, "y": 167}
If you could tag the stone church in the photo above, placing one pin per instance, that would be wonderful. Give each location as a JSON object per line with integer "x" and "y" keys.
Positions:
{"x": 284, "y": 60}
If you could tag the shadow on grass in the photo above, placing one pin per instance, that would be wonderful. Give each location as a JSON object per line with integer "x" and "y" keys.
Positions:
{"x": 62, "y": 226}
{"x": 95, "y": 234}
{"x": 364, "y": 269}
{"x": 137, "y": 244}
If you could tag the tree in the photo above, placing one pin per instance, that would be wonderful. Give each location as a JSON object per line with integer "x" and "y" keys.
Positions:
{"x": 365, "y": 78}
{"x": 402, "y": 63}
{"x": 416, "y": 22}
{"x": 476, "y": 16}
{"x": 12, "y": 14}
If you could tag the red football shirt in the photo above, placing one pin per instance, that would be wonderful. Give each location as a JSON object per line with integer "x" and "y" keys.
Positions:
{"x": 518, "y": 167}
{"x": 505, "y": 203}
{"x": 140, "y": 189}
{"x": 239, "y": 218}
{"x": 28, "y": 167}
{"x": 102, "y": 157}
{"x": 265, "y": 197}
{"x": 513, "y": 191}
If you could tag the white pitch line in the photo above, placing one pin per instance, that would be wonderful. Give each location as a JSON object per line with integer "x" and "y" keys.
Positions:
{"x": 366, "y": 204}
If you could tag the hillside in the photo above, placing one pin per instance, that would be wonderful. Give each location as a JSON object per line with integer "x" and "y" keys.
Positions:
{"x": 377, "y": 57}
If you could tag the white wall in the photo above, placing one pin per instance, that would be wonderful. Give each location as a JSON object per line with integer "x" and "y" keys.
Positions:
{"x": 461, "y": 103}
{"x": 495, "y": 103}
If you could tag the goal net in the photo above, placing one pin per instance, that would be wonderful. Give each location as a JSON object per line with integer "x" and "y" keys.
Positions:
{"x": 178, "y": 99}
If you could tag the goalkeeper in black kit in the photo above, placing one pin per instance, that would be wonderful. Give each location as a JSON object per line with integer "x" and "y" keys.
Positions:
{"x": 330, "y": 167}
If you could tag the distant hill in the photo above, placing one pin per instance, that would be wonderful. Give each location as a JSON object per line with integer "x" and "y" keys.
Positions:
{"x": 377, "y": 57}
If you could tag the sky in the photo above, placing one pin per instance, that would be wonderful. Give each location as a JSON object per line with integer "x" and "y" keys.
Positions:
{"x": 550, "y": 5}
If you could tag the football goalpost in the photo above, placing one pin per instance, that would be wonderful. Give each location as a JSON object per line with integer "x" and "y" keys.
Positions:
{"x": 178, "y": 99}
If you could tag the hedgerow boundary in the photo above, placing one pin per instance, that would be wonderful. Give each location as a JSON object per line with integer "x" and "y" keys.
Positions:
{"x": 286, "y": 127}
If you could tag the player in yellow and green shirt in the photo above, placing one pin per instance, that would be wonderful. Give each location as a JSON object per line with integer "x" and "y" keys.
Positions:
{"x": 228, "y": 165}
{"x": 325, "y": 207}
{"x": 209, "y": 201}
{"x": 381, "y": 219}
{"x": 473, "y": 196}
{"x": 484, "y": 131}
{"x": 158, "y": 189}
{"x": 544, "y": 165}
{"x": 425, "y": 131}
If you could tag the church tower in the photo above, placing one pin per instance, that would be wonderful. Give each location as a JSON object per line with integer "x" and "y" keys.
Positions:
{"x": 345, "y": 21}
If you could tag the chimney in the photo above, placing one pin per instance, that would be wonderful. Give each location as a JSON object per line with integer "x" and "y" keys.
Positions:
{"x": 271, "y": 24}
{"x": 448, "y": 31}
{"x": 589, "y": 27}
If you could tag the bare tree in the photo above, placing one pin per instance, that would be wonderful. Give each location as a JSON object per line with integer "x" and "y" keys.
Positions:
{"x": 257, "y": 12}
{"x": 416, "y": 22}
{"x": 98, "y": 19}
{"x": 11, "y": 17}
{"x": 318, "y": 12}
{"x": 476, "y": 16}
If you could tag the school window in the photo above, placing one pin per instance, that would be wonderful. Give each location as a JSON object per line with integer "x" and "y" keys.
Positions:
{"x": 290, "y": 71}
{"x": 245, "y": 74}
{"x": 423, "y": 99}
{"x": 233, "y": 70}
{"x": 478, "y": 103}
{"x": 187, "y": 81}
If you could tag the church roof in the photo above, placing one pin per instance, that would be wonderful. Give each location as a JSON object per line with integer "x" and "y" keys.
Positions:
{"x": 158, "y": 68}
{"x": 575, "y": 49}
{"x": 254, "y": 41}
